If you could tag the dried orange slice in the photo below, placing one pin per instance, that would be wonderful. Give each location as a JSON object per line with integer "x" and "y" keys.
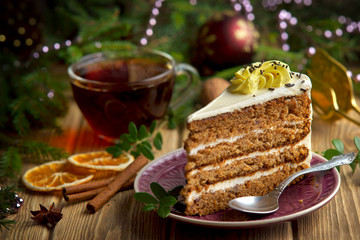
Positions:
{"x": 101, "y": 161}
{"x": 55, "y": 176}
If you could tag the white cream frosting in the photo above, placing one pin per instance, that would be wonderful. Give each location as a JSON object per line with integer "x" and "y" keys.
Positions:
{"x": 229, "y": 102}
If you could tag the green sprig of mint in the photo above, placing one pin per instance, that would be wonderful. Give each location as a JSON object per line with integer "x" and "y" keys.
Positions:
{"x": 339, "y": 149}
{"x": 161, "y": 201}
{"x": 138, "y": 141}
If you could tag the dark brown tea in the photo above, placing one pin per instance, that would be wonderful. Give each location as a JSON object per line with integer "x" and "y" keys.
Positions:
{"x": 120, "y": 91}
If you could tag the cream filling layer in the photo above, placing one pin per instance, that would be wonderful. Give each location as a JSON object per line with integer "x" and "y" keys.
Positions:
{"x": 200, "y": 147}
{"x": 240, "y": 180}
{"x": 304, "y": 142}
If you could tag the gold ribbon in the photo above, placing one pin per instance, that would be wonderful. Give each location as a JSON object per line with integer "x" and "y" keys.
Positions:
{"x": 332, "y": 89}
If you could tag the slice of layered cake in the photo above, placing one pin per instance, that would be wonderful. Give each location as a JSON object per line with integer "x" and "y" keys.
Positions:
{"x": 249, "y": 139}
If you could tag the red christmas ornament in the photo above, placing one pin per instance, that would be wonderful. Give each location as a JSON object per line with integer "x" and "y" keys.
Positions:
{"x": 225, "y": 40}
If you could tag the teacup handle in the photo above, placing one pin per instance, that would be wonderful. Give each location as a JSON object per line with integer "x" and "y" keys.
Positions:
{"x": 187, "y": 91}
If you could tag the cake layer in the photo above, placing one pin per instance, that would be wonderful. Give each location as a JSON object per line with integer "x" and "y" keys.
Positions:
{"x": 192, "y": 150}
{"x": 280, "y": 111}
{"x": 269, "y": 138}
{"x": 286, "y": 125}
{"x": 215, "y": 197}
{"x": 245, "y": 166}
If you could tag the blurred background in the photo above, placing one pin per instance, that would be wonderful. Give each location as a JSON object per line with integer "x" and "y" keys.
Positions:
{"x": 283, "y": 29}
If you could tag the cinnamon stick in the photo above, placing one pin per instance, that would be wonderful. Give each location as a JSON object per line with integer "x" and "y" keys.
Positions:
{"x": 89, "y": 194}
{"x": 82, "y": 196}
{"x": 87, "y": 186}
{"x": 111, "y": 189}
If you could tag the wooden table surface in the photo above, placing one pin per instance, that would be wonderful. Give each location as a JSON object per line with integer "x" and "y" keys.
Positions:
{"x": 122, "y": 217}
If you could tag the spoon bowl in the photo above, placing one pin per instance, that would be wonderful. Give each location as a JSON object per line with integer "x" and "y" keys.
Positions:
{"x": 269, "y": 203}
{"x": 256, "y": 204}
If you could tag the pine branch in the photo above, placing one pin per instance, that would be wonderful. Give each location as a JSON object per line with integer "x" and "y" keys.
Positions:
{"x": 106, "y": 27}
{"x": 41, "y": 152}
{"x": 6, "y": 141}
{"x": 109, "y": 45}
{"x": 101, "y": 33}
{"x": 40, "y": 100}
{"x": 16, "y": 149}
{"x": 20, "y": 122}
{"x": 75, "y": 52}
{"x": 10, "y": 163}
{"x": 7, "y": 194}
{"x": 5, "y": 100}
{"x": 6, "y": 224}
{"x": 293, "y": 59}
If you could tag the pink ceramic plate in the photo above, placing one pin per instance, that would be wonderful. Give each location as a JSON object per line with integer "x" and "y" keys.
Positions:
{"x": 311, "y": 193}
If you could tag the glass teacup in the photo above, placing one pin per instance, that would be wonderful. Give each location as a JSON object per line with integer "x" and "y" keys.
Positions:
{"x": 114, "y": 88}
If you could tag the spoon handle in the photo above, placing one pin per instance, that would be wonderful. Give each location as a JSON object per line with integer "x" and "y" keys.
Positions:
{"x": 335, "y": 161}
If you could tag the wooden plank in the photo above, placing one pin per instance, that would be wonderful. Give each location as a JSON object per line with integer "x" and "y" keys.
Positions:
{"x": 182, "y": 231}
{"x": 171, "y": 141}
{"x": 339, "y": 219}
{"x": 25, "y": 227}
{"x": 71, "y": 124}
{"x": 122, "y": 217}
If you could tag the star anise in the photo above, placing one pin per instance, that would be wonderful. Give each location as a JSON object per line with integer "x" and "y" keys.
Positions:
{"x": 45, "y": 216}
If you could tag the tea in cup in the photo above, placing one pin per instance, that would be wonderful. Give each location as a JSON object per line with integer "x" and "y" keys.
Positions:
{"x": 114, "y": 88}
